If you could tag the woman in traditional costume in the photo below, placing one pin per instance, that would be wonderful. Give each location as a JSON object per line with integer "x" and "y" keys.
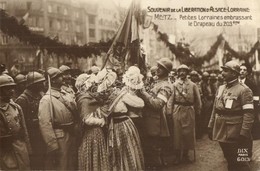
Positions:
{"x": 92, "y": 153}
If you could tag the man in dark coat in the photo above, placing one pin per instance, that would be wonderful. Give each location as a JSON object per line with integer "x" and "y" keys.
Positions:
{"x": 29, "y": 101}
{"x": 14, "y": 142}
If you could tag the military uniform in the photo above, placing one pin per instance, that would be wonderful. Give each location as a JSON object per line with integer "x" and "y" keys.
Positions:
{"x": 155, "y": 122}
{"x": 232, "y": 117}
{"x": 14, "y": 142}
{"x": 56, "y": 124}
{"x": 30, "y": 104}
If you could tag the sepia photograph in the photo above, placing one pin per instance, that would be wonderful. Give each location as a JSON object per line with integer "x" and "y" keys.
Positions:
{"x": 130, "y": 85}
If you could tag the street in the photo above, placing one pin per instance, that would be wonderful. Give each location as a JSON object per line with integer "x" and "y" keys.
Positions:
{"x": 209, "y": 157}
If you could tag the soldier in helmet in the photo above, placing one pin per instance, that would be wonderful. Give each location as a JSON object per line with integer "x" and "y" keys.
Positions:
{"x": 56, "y": 122}
{"x": 207, "y": 100}
{"x": 220, "y": 80}
{"x": 213, "y": 83}
{"x": 154, "y": 117}
{"x": 232, "y": 118}
{"x": 14, "y": 142}
{"x": 184, "y": 104}
{"x": 67, "y": 86}
{"x": 20, "y": 81}
{"x": 195, "y": 78}
{"x": 29, "y": 101}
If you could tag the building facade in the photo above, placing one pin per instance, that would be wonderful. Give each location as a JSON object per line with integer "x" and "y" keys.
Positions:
{"x": 72, "y": 22}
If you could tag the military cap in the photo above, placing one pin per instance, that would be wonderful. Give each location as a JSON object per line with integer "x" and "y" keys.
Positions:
{"x": 20, "y": 78}
{"x": 205, "y": 74}
{"x": 183, "y": 67}
{"x": 6, "y": 80}
{"x": 233, "y": 66}
{"x": 34, "y": 77}
{"x": 64, "y": 68}
{"x": 165, "y": 63}
{"x": 54, "y": 72}
{"x": 194, "y": 72}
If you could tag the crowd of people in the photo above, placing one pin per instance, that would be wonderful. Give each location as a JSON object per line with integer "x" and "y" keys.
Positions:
{"x": 104, "y": 120}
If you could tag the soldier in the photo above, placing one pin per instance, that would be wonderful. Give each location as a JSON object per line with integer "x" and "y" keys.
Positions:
{"x": 232, "y": 118}
{"x": 56, "y": 124}
{"x": 154, "y": 118}
{"x": 67, "y": 87}
{"x": 244, "y": 77}
{"x": 207, "y": 101}
{"x": 213, "y": 83}
{"x": 196, "y": 79}
{"x": 20, "y": 81}
{"x": 184, "y": 104}
{"x": 14, "y": 142}
{"x": 29, "y": 101}
{"x": 220, "y": 80}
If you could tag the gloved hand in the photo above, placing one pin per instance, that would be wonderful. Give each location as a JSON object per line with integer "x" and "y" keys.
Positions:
{"x": 210, "y": 133}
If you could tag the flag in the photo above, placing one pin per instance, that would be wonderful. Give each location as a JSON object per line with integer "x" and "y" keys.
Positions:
{"x": 26, "y": 16}
{"x": 125, "y": 49}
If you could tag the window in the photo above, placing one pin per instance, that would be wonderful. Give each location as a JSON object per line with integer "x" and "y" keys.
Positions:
{"x": 77, "y": 28}
{"x": 66, "y": 26}
{"x": 58, "y": 9}
{"x": 39, "y": 21}
{"x": 58, "y": 25}
{"x": 91, "y": 19}
{"x": 49, "y": 8}
{"x": 50, "y": 24}
{"x": 3, "y": 5}
{"x": 91, "y": 32}
{"x": 65, "y": 11}
{"x": 76, "y": 14}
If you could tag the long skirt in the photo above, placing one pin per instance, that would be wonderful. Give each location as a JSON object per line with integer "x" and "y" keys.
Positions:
{"x": 92, "y": 154}
{"x": 125, "y": 151}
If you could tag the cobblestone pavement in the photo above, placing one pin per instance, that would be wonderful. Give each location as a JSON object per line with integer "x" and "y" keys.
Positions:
{"x": 209, "y": 157}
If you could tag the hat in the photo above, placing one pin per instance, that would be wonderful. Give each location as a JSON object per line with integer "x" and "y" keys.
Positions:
{"x": 133, "y": 78}
{"x": 20, "y": 78}
{"x": 64, "y": 68}
{"x": 95, "y": 69}
{"x": 183, "y": 67}
{"x": 194, "y": 73}
{"x": 34, "y": 77}
{"x": 105, "y": 78}
{"x": 81, "y": 80}
{"x": 6, "y": 80}
{"x": 233, "y": 66}
{"x": 54, "y": 72}
{"x": 165, "y": 63}
{"x": 213, "y": 76}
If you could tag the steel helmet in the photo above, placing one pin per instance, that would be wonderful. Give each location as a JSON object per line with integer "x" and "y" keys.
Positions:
{"x": 205, "y": 74}
{"x": 20, "y": 78}
{"x": 165, "y": 63}
{"x": 233, "y": 66}
{"x": 54, "y": 72}
{"x": 6, "y": 80}
{"x": 194, "y": 73}
{"x": 34, "y": 77}
{"x": 183, "y": 67}
{"x": 213, "y": 76}
{"x": 64, "y": 68}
